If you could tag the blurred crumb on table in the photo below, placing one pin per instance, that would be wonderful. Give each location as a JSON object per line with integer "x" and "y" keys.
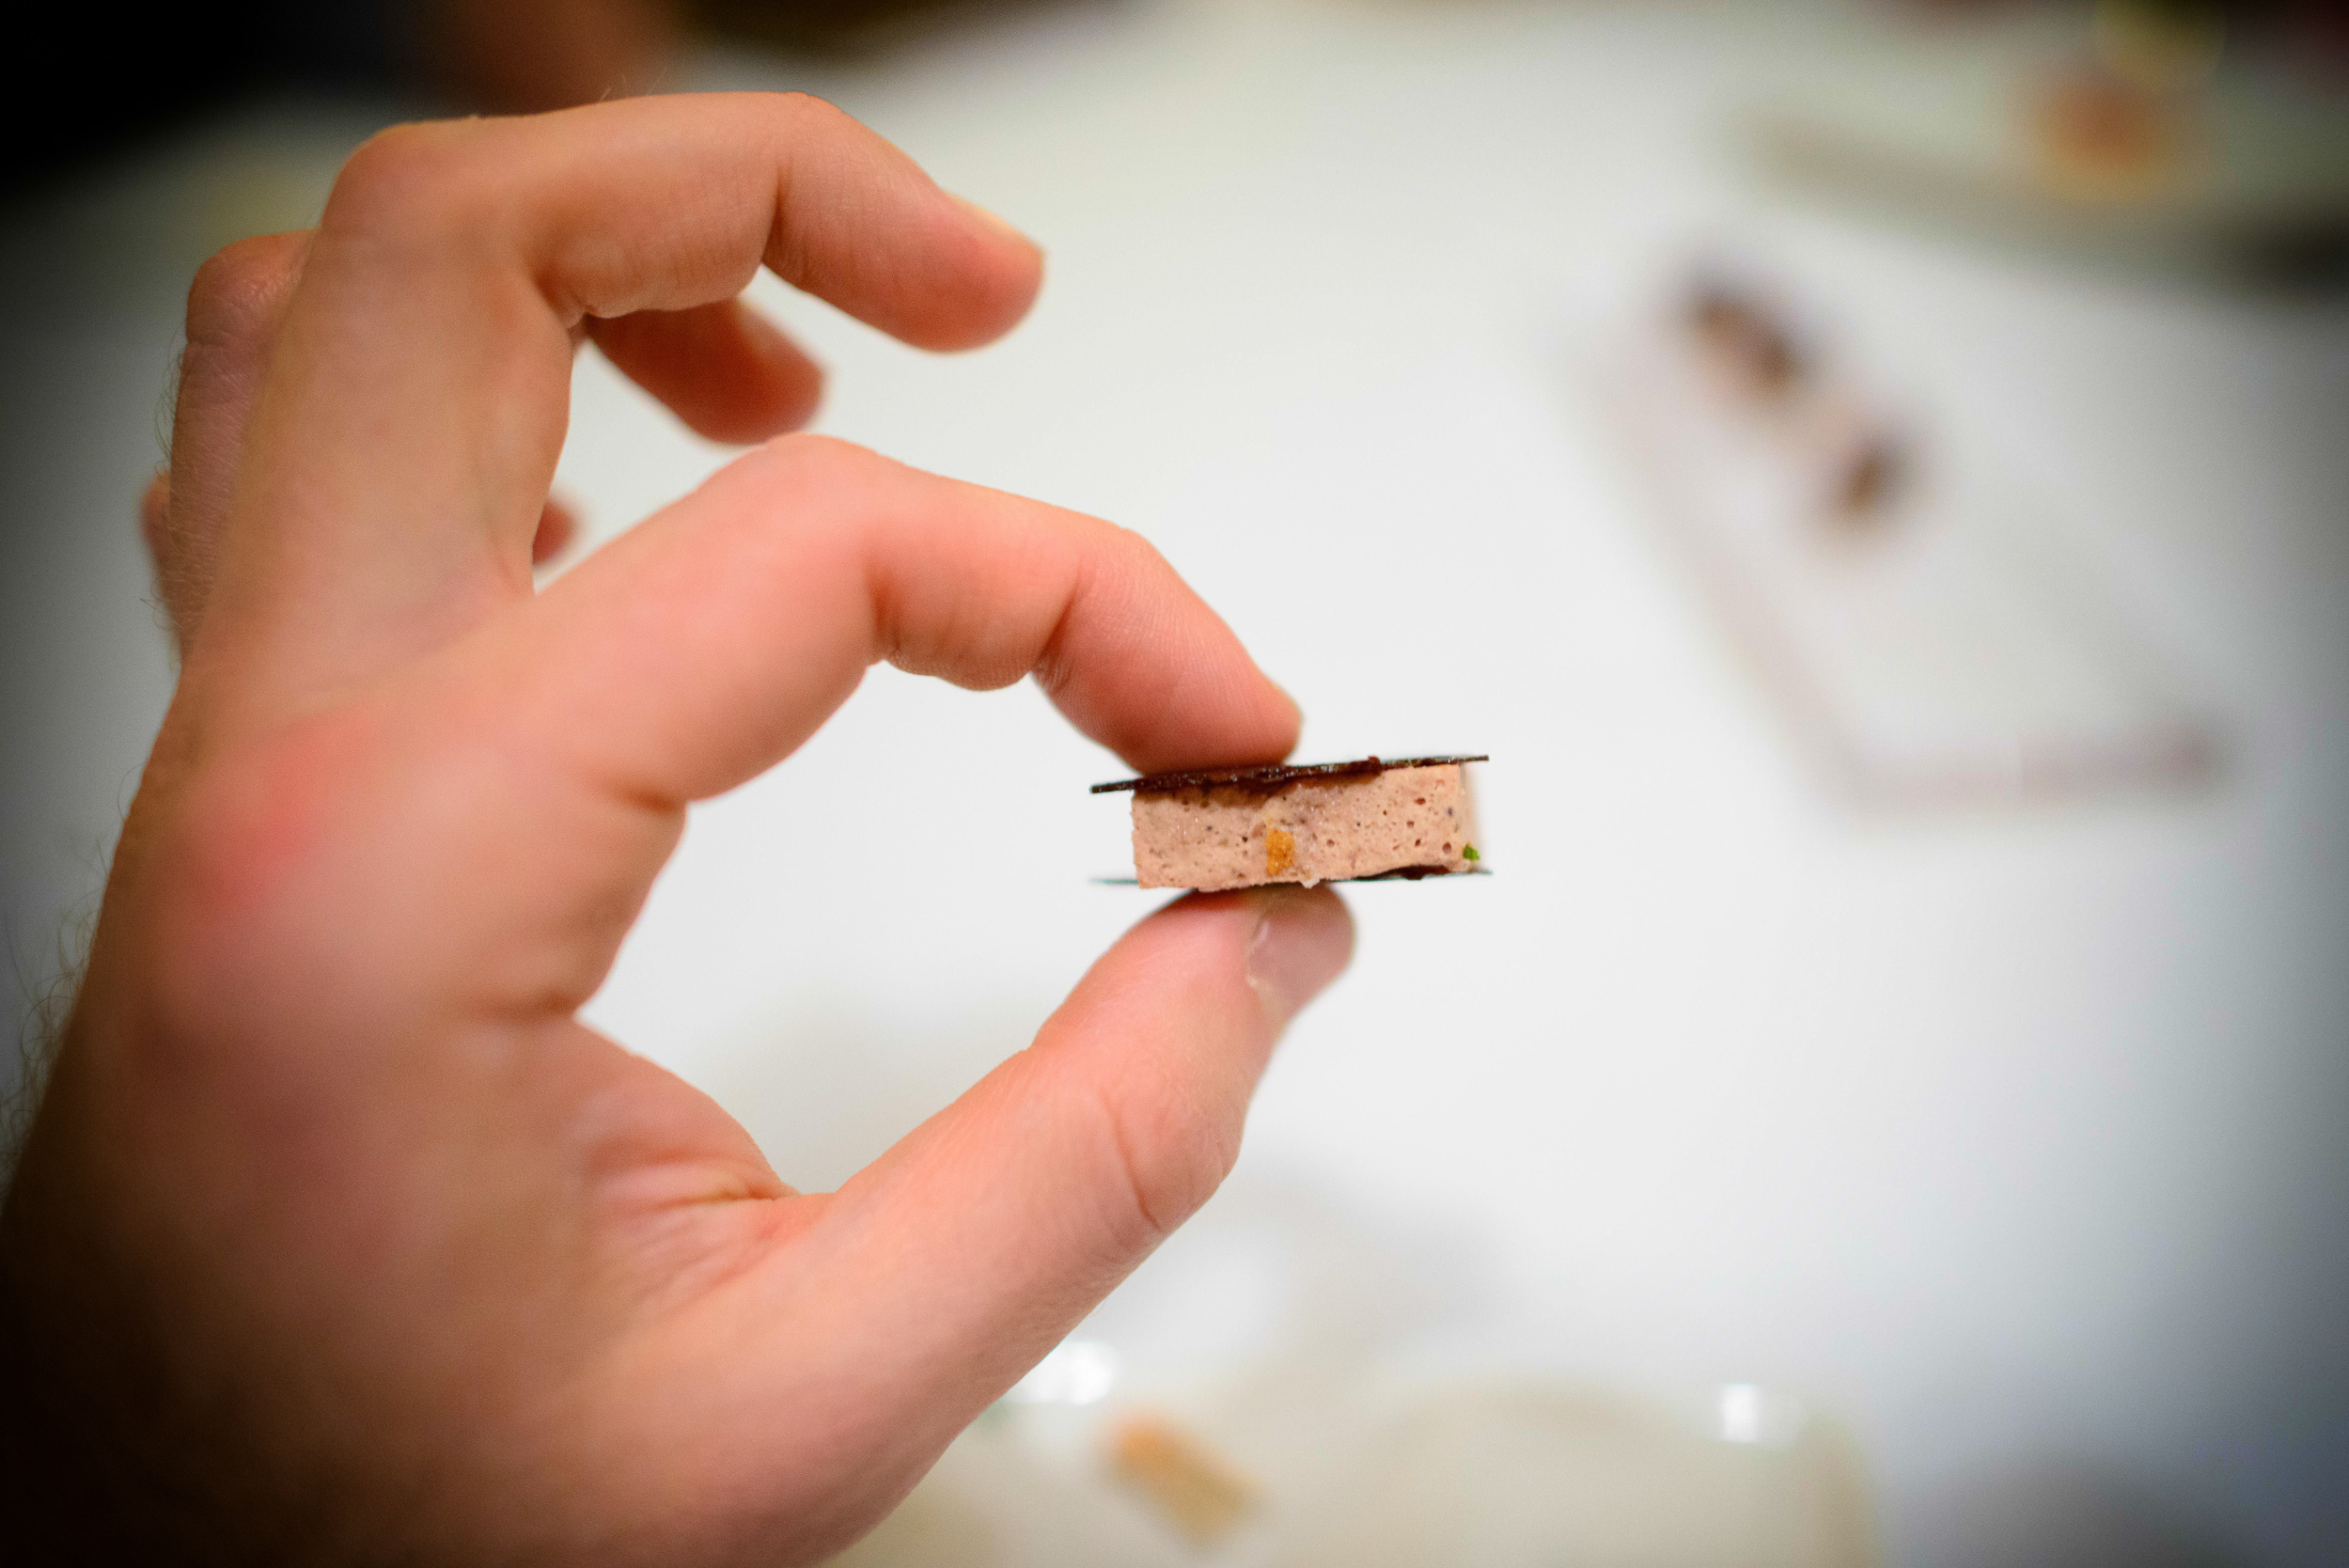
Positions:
{"x": 1188, "y": 1485}
{"x": 2179, "y": 138}
{"x": 1746, "y": 338}
{"x": 2100, "y": 135}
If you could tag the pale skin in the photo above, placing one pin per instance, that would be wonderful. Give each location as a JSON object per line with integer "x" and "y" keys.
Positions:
{"x": 338, "y": 1237}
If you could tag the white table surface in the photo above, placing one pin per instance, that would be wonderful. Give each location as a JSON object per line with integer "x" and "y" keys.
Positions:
{"x": 2018, "y": 1141}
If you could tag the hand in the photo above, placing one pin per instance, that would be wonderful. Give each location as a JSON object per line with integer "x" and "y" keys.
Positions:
{"x": 338, "y": 1237}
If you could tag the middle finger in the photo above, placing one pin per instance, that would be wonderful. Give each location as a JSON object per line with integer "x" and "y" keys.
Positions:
{"x": 416, "y": 401}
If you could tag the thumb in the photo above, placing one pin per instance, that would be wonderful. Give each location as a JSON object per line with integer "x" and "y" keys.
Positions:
{"x": 983, "y": 1236}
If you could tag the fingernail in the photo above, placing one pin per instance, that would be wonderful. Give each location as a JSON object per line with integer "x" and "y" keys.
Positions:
{"x": 1301, "y": 943}
{"x": 998, "y": 225}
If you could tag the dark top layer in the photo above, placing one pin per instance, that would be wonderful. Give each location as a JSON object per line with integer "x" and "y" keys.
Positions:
{"x": 1272, "y": 775}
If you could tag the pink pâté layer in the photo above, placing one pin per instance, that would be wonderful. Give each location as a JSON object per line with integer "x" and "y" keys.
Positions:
{"x": 1307, "y": 825}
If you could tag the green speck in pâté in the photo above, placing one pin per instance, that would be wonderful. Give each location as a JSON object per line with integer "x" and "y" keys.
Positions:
{"x": 1468, "y": 851}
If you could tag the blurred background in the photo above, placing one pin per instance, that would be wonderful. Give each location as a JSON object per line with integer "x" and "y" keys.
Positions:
{"x": 1874, "y": 477}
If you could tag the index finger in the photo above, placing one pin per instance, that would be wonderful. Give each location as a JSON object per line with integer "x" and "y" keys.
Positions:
{"x": 416, "y": 400}
{"x": 708, "y": 643}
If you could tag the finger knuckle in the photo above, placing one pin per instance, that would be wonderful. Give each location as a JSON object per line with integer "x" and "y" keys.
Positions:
{"x": 229, "y": 300}
{"x": 238, "y": 857}
{"x": 1135, "y": 553}
{"x": 833, "y": 474}
{"x": 418, "y": 176}
{"x": 827, "y": 456}
{"x": 807, "y": 106}
{"x": 1171, "y": 1149}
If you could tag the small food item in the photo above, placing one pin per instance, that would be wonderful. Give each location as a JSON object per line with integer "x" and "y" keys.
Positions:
{"x": 1190, "y": 1485}
{"x": 1329, "y": 821}
{"x": 2101, "y": 136}
{"x": 1801, "y": 402}
{"x": 1871, "y": 478}
{"x": 1747, "y": 340}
